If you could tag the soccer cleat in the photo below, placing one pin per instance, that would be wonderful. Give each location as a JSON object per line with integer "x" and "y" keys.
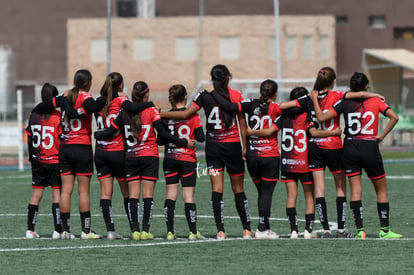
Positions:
{"x": 344, "y": 234}
{"x": 196, "y": 236}
{"x": 112, "y": 235}
{"x": 136, "y": 236}
{"x": 326, "y": 234}
{"x": 294, "y": 235}
{"x": 361, "y": 235}
{"x": 90, "y": 236}
{"x": 389, "y": 235}
{"x": 67, "y": 236}
{"x": 309, "y": 235}
{"x": 146, "y": 236}
{"x": 248, "y": 234}
{"x": 266, "y": 235}
{"x": 32, "y": 235}
{"x": 221, "y": 236}
{"x": 55, "y": 235}
{"x": 170, "y": 236}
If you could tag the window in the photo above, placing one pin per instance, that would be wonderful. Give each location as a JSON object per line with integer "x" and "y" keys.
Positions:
{"x": 307, "y": 46}
{"x": 144, "y": 49}
{"x": 323, "y": 47}
{"x": 341, "y": 19}
{"x": 98, "y": 49}
{"x": 290, "y": 47}
{"x": 229, "y": 48}
{"x": 126, "y": 8}
{"x": 185, "y": 48}
{"x": 377, "y": 21}
{"x": 404, "y": 33}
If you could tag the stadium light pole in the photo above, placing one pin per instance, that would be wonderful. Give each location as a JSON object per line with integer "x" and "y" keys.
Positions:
{"x": 108, "y": 35}
{"x": 277, "y": 41}
{"x": 200, "y": 40}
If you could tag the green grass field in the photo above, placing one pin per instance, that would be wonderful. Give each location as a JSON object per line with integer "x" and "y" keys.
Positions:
{"x": 233, "y": 256}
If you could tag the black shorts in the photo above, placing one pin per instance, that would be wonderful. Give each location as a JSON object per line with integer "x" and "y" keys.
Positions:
{"x": 305, "y": 178}
{"x": 76, "y": 159}
{"x": 370, "y": 160}
{"x": 44, "y": 175}
{"x": 141, "y": 168}
{"x": 263, "y": 168}
{"x": 319, "y": 158}
{"x": 174, "y": 170}
{"x": 225, "y": 154}
{"x": 110, "y": 164}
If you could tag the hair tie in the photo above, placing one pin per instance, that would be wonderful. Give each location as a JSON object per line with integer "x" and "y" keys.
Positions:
{"x": 144, "y": 91}
{"x": 322, "y": 72}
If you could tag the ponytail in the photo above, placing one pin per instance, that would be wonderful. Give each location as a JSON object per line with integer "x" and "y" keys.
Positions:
{"x": 139, "y": 90}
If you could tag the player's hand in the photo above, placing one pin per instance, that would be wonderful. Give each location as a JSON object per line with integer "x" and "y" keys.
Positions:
{"x": 249, "y": 131}
{"x": 314, "y": 95}
{"x": 379, "y": 139}
{"x": 244, "y": 154}
{"x": 191, "y": 144}
{"x": 157, "y": 106}
{"x": 337, "y": 132}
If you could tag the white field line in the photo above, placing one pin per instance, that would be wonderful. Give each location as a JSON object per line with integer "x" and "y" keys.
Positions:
{"x": 164, "y": 243}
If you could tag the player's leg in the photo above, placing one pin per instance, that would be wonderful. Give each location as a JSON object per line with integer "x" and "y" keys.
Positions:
{"x": 68, "y": 182}
{"x": 32, "y": 212}
{"x": 356, "y": 204}
{"x": 292, "y": 193}
{"x": 169, "y": 207}
{"x": 308, "y": 192}
{"x": 134, "y": 189}
{"x": 148, "y": 187}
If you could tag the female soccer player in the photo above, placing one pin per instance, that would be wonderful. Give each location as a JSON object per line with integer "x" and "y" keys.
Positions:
{"x": 295, "y": 126}
{"x": 361, "y": 135}
{"x": 223, "y": 147}
{"x": 43, "y": 142}
{"x": 75, "y": 154}
{"x": 141, "y": 157}
{"x": 262, "y": 153}
{"x": 327, "y": 151}
{"x": 180, "y": 164}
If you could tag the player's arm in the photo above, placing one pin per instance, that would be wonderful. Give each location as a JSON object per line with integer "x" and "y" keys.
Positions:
{"x": 324, "y": 133}
{"x": 393, "y": 119}
{"x": 199, "y": 134}
{"x": 136, "y": 107}
{"x": 262, "y": 132}
{"x": 226, "y": 104}
{"x": 289, "y": 104}
{"x": 102, "y": 134}
{"x": 321, "y": 116}
{"x": 166, "y": 137}
{"x": 362, "y": 95}
{"x": 243, "y": 132}
{"x": 180, "y": 115}
{"x": 91, "y": 105}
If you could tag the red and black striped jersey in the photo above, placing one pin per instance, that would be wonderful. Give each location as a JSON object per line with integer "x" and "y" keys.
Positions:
{"x": 294, "y": 142}
{"x": 43, "y": 132}
{"x": 77, "y": 130}
{"x": 325, "y": 101}
{"x": 261, "y": 146}
{"x": 215, "y": 128}
{"x": 115, "y": 142}
{"x": 145, "y": 144}
{"x": 183, "y": 129}
{"x": 361, "y": 116}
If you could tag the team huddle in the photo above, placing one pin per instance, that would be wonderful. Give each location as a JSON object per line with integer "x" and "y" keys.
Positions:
{"x": 129, "y": 133}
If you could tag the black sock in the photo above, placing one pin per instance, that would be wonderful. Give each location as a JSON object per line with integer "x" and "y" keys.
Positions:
{"x": 86, "y": 221}
{"x": 133, "y": 210}
{"x": 57, "y": 220}
{"x": 169, "y": 209}
{"x": 242, "y": 206}
{"x": 357, "y": 210}
{"x": 383, "y": 213}
{"x": 106, "y": 208}
{"x": 65, "y": 221}
{"x": 147, "y": 206}
{"x": 309, "y": 220}
{"x": 265, "y": 203}
{"x": 191, "y": 215}
{"x": 217, "y": 204}
{"x": 32, "y": 211}
{"x": 293, "y": 219}
{"x": 341, "y": 211}
{"x": 126, "y": 208}
{"x": 322, "y": 212}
